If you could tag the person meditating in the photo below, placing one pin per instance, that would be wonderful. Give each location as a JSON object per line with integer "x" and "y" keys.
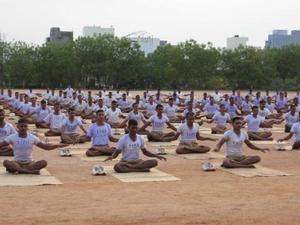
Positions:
{"x": 101, "y": 134}
{"x": 189, "y": 132}
{"x": 130, "y": 145}
{"x": 234, "y": 139}
{"x": 22, "y": 145}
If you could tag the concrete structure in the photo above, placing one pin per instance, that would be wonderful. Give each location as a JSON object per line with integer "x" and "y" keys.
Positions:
{"x": 93, "y": 31}
{"x": 281, "y": 38}
{"x": 148, "y": 44}
{"x": 236, "y": 41}
{"x": 56, "y": 35}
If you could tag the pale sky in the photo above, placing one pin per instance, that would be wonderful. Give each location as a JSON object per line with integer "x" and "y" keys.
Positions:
{"x": 171, "y": 20}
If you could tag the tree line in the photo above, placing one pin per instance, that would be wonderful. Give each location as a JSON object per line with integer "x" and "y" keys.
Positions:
{"x": 116, "y": 62}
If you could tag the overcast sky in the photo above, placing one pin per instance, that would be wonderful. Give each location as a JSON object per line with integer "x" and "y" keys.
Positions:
{"x": 171, "y": 20}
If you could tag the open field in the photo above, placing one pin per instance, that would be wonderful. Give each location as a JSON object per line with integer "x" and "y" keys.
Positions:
{"x": 198, "y": 198}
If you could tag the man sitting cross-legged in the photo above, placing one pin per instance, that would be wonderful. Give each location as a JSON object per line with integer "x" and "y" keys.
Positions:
{"x": 135, "y": 115}
{"x": 220, "y": 118}
{"x": 55, "y": 121}
{"x": 6, "y": 129}
{"x": 234, "y": 139}
{"x": 254, "y": 123}
{"x": 100, "y": 133}
{"x": 22, "y": 144}
{"x": 189, "y": 132}
{"x": 69, "y": 127}
{"x": 130, "y": 145}
{"x": 158, "y": 122}
{"x": 295, "y": 131}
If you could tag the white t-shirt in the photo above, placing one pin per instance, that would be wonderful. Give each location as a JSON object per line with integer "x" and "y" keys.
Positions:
{"x": 100, "y": 134}
{"x": 246, "y": 106}
{"x": 170, "y": 111}
{"x": 254, "y": 123}
{"x": 80, "y": 107}
{"x": 7, "y": 130}
{"x": 150, "y": 108}
{"x": 71, "y": 126}
{"x": 158, "y": 123}
{"x": 25, "y": 107}
{"x": 220, "y": 119}
{"x": 130, "y": 149}
{"x": 139, "y": 117}
{"x": 42, "y": 113}
{"x": 113, "y": 116}
{"x": 264, "y": 113}
{"x": 291, "y": 119}
{"x": 104, "y": 108}
{"x": 55, "y": 121}
{"x": 211, "y": 109}
{"x": 186, "y": 111}
{"x": 270, "y": 107}
{"x": 22, "y": 147}
{"x": 231, "y": 109}
{"x": 89, "y": 109}
{"x": 188, "y": 134}
{"x": 234, "y": 143}
{"x": 123, "y": 104}
{"x": 296, "y": 130}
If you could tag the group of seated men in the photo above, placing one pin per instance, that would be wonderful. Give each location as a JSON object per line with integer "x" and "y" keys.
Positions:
{"x": 108, "y": 110}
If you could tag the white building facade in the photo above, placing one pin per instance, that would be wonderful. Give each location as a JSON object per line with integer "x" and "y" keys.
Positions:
{"x": 236, "y": 41}
{"x": 93, "y": 31}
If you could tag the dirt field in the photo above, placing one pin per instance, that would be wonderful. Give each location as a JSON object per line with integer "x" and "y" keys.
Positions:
{"x": 198, "y": 198}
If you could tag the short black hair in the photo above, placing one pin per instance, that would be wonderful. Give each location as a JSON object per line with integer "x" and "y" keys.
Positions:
{"x": 22, "y": 120}
{"x": 100, "y": 111}
{"x": 159, "y": 106}
{"x": 132, "y": 122}
{"x": 43, "y": 101}
{"x": 236, "y": 118}
{"x": 72, "y": 109}
{"x": 189, "y": 114}
{"x": 254, "y": 107}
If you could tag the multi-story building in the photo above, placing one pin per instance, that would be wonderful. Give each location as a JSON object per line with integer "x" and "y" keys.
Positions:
{"x": 236, "y": 41}
{"x": 281, "y": 38}
{"x": 56, "y": 35}
{"x": 93, "y": 31}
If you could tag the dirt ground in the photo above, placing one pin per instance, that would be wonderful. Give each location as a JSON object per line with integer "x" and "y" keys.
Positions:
{"x": 198, "y": 198}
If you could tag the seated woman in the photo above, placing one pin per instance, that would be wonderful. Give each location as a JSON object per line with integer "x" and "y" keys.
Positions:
{"x": 69, "y": 127}
{"x": 158, "y": 122}
{"x": 234, "y": 139}
{"x": 130, "y": 145}
{"x": 189, "y": 132}
{"x": 100, "y": 133}
{"x": 22, "y": 144}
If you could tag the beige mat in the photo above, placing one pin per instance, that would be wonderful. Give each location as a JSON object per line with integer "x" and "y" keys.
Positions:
{"x": 258, "y": 171}
{"x": 7, "y": 179}
{"x": 201, "y": 156}
{"x": 208, "y": 132}
{"x": 265, "y": 142}
{"x": 85, "y": 146}
{"x": 154, "y": 175}
{"x": 83, "y": 157}
{"x": 163, "y": 144}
